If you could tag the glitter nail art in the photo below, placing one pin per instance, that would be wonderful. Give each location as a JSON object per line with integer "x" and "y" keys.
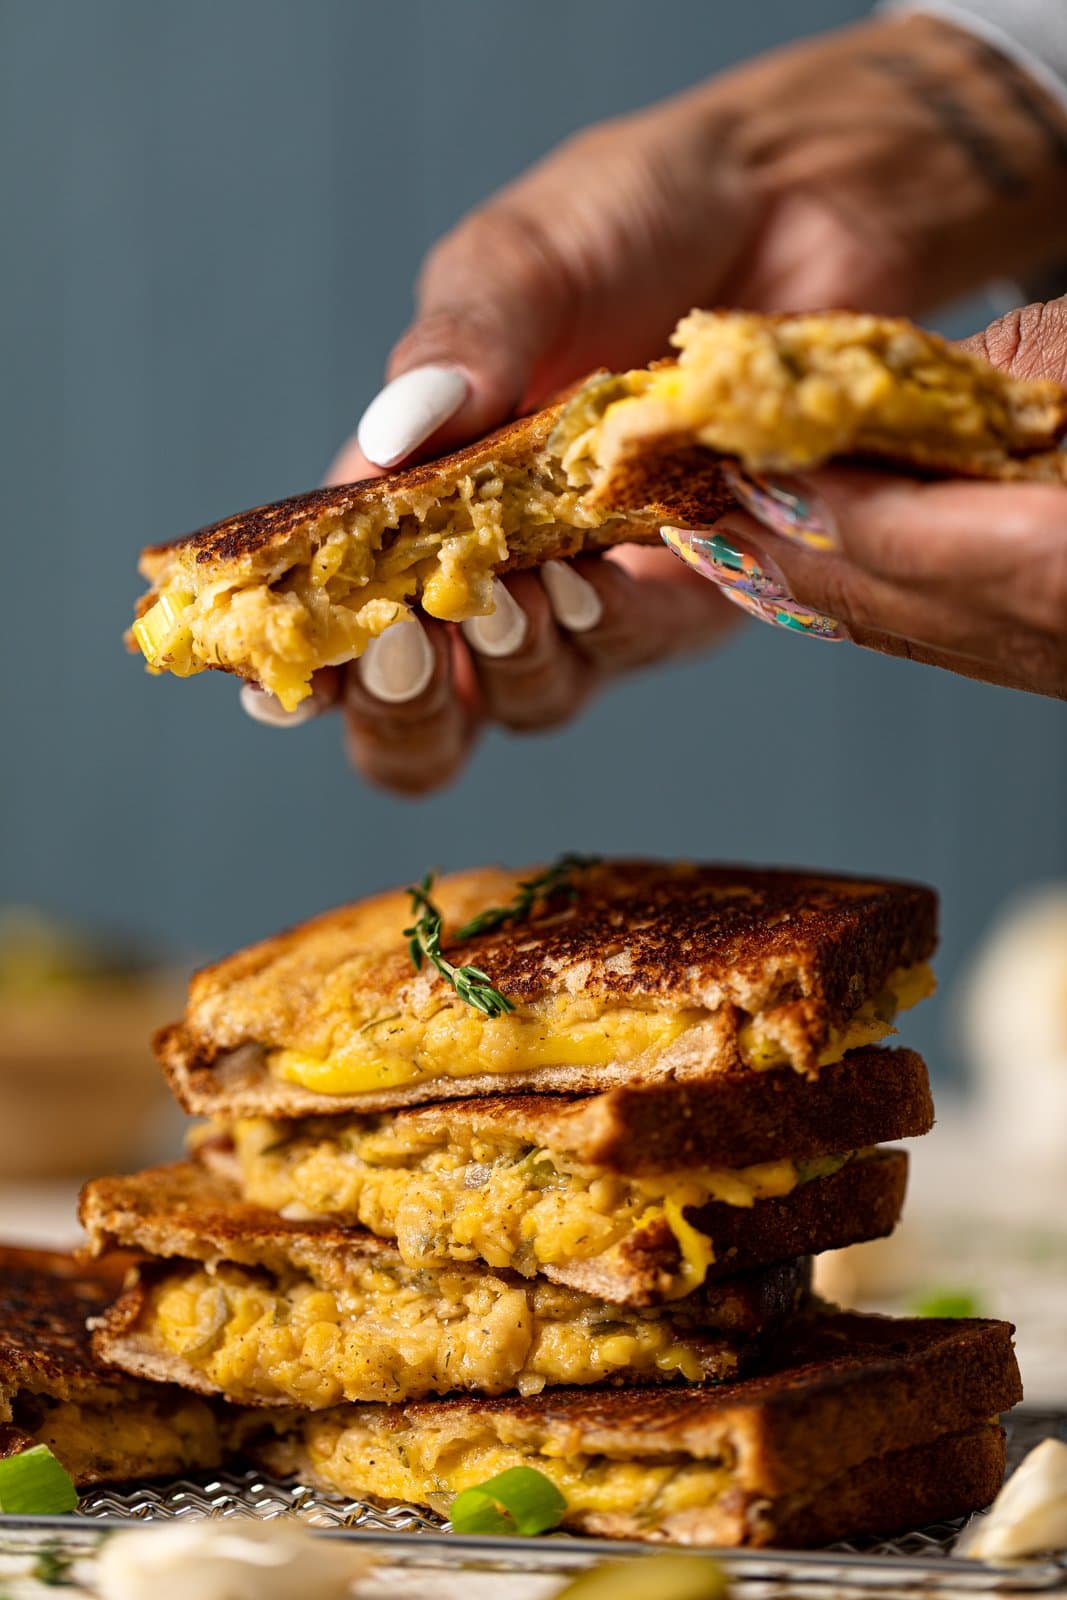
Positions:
{"x": 784, "y": 506}
{"x": 754, "y": 584}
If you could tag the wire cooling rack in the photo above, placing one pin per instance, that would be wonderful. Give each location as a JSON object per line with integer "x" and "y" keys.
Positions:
{"x": 408, "y": 1537}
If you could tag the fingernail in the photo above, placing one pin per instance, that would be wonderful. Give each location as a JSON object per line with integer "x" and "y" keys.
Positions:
{"x": 263, "y": 707}
{"x": 502, "y": 632}
{"x": 574, "y": 601}
{"x": 408, "y": 410}
{"x": 786, "y": 506}
{"x": 399, "y": 664}
{"x": 756, "y": 584}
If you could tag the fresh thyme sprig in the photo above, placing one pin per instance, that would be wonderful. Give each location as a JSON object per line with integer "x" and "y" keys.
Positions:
{"x": 424, "y": 944}
{"x": 555, "y": 879}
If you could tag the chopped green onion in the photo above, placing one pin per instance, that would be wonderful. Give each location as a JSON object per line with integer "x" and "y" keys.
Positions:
{"x": 948, "y": 1303}
{"x": 521, "y": 1500}
{"x": 668, "y": 1577}
{"x": 33, "y": 1484}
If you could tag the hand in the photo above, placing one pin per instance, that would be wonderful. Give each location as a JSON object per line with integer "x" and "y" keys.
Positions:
{"x": 828, "y": 173}
{"x": 964, "y": 575}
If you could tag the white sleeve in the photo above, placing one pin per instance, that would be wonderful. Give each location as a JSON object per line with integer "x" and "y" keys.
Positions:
{"x": 1031, "y": 32}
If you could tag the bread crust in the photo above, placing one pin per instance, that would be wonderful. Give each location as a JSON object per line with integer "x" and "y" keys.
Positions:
{"x": 731, "y": 1119}
{"x": 861, "y": 1201}
{"x": 47, "y": 1360}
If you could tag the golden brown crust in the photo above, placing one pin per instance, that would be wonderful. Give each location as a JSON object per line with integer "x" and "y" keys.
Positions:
{"x": 734, "y": 1119}
{"x": 45, "y": 1299}
{"x": 734, "y": 940}
{"x": 103, "y": 1425}
{"x": 661, "y": 486}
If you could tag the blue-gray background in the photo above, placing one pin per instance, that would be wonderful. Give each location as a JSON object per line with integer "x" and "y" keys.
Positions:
{"x": 212, "y": 213}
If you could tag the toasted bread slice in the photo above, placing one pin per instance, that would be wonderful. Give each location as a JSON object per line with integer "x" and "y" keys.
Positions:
{"x": 653, "y": 972}
{"x": 660, "y": 1256}
{"x": 859, "y": 1424}
{"x": 102, "y": 1425}
{"x": 276, "y": 593}
{"x": 790, "y": 392}
{"x": 306, "y": 1313}
{"x": 508, "y": 1181}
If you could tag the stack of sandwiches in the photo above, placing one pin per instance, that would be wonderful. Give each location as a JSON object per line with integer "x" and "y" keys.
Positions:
{"x": 528, "y": 1171}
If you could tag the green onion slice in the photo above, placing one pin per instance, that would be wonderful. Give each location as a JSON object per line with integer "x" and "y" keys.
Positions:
{"x": 33, "y": 1484}
{"x": 521, "y": 1500}
{"x": 947, "y": 1303}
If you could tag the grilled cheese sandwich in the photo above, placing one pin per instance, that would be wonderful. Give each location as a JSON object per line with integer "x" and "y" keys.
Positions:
{"x": 458, "y": 1194}
{"x": 102, "y": 1425}
{"x": 855, "y": 1424}
{"x": 648, "y": 971}
{"x": 281, "y": 591}
{"x": 270, "y": 1311}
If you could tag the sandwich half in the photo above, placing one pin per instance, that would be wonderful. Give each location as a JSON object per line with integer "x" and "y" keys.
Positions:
{"x": 859, "y": 1425}
{"x": 102, "y": 1425}
{"x": 637, "y": 1195}
{"x": 637, "y": 971}
{"x": 278, "y": 592}
{"x": 273, "y": 1312}
{"x": 790, "y": 392}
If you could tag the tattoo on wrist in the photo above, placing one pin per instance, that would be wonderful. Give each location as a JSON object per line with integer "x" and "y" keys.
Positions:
{"x": 956, "y": 119}
{"x": 1039, "y": 109}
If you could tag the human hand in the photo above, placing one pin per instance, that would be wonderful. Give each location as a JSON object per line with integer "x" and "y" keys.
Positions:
{"x": 969, "y": 576}
{"x": 819, "y": 175}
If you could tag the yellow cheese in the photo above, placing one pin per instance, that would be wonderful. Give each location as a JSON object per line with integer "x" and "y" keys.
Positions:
{"x": 872, "y": 1022}
{"x": 460, "y": 1195}
{"x": 349, "y": 1454}
{"x": 383, "y": 1333}
{"x": 147, "y": 1437}
{"x": 458, "y": 1042}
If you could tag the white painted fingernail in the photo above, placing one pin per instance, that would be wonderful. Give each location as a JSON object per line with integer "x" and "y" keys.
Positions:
{"x": 575, "y": 603}
{"x": 408, "y": 410}
{"x": 500, "y": 633}
{"x": 399, "y": 664}
{"x": 263, "y": 707}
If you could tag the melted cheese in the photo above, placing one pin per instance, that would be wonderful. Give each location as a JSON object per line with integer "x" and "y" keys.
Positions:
{"x": 384, "y": 1334}
{"x": 351, "y": 1455}
{"x": 411, "y": 1464}
{"x": 761, "y": 1047}
{"x": 458, "y": 1042}
{"x": 141, "y": 1437}
{"x": 352, "y": 580}
{"x": 463, "y": 1195}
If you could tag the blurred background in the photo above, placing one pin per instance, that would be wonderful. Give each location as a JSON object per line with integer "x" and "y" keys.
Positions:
{"x": 214, "y": 213}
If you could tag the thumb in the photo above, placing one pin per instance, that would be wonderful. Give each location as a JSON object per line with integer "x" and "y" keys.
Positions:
{"x": 1030, "y": 342}
{"x": 492, "y": 299}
